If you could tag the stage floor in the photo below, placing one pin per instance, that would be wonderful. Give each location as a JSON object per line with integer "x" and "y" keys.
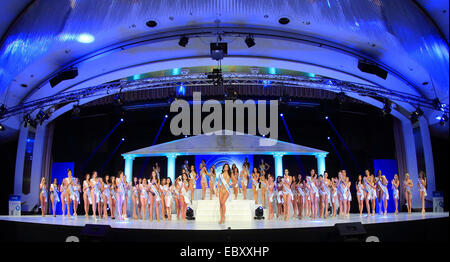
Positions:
{"x": 80, "y": 221}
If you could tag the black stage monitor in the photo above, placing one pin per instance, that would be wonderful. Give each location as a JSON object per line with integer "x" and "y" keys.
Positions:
{"x": 350, "y": 231}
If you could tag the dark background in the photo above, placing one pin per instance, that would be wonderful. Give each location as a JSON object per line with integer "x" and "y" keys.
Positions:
{"x": 367, "y": 133}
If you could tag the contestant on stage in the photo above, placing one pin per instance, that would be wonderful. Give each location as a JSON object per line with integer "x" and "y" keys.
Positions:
{"x": 54, "y": 198}
{"x": 287, "y": 193}
{"x": 162, "y": 193}
{"x": 271, "y": 189}
{"x": 178, "y": 183}
{"x": 395, "y": 192}
{"x": 263, "y": 183}
{"x": 235, "y": 180}
{"x": 383, "y": 182}
{"x": 212, "y": 181}
{"x": 280, "y": 201}
{"x": 113, "y": 190}
{"x": 139, "y": 204}
{"x": 408, "y": 185}
{"x": 76, "y": 195}
{"x": 422, "y": 184}
{"x": 300, "y": 196}
{"x": 263, "y": 166}
{"x": 184, "y": 195}
{"x": 368, "y": 191}
{"x": 120, "y": 195}
{"x": 334, "y": 195}
{"x": 87, "y": 200}
{"x": 144, "y": 196}
{"x": 255, "y": 184}
{"x": 193, "y": 176}
{"x": 244, "y": 180}
{"x": 295, "y": 196}
{"x": 349, "y": 194}
{"x": 43, "y": 196}
{"x": 324, "y": 193}
{"x": 157, "y": 170}
{"x": 95, "y": 193}
{"x": 203, "y": 180}
{"x": 168, "y": 197}
{"x": 101, "y": 186}
{"x": 360, "y": 194}
{"x": 106, "y": 197}
{"x": 379, "y": 191}
{"x": 224, "y": 190}
{"x": 155, "y": 197}
{"x": 314, "y": 193}
{"x": 135, "y": 197}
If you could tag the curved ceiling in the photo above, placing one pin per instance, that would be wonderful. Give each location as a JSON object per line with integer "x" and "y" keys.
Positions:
{"x": 323, "y": 37}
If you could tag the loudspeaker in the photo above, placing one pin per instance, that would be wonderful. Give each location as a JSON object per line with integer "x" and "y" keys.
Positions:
{"x": 190, "y": 214}
{"x": 95, "y": 233}
{"x": 350, "y": 232}
{"x": 372, "y": 69}
{"x": 64, "y": 75}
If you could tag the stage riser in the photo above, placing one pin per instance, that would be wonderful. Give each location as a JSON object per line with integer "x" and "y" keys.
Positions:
{"x": 236, "y": 210}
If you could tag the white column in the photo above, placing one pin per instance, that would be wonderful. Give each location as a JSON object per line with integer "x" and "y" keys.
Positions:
{"x": 321, "y": 163}
{"x": 20, "y": 158}
{"x": 278, "y": 164}
{"x": 128, "y": 167}
{"x": 428, "y": 154}
{"x": 171, "y": 166}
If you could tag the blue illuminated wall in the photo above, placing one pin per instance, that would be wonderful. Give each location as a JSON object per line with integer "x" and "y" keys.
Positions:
{"x": 388, "y": 168}
{"x": 59, "y": 171}
{"x": 219, "y": 161}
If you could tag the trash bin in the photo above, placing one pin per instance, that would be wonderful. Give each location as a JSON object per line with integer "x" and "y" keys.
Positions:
{"x": 14, "y": 205}
{"x": 438, "y": 201}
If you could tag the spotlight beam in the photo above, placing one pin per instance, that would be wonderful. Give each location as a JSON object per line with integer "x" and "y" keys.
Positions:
{"x": 299, "y": 162}
{"x": 111, "y": 155}
{"x": 147, "y": 159}
{"x": 345, "y": 145}
{"x": 99, "y": 145}
{"x": 337, "y": 153}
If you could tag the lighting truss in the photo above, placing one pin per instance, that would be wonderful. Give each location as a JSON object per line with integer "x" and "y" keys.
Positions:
{"x": 229, "y": 78}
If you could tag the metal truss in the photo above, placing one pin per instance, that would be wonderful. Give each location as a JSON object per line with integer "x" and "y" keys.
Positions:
{"x": 229, "y": 79}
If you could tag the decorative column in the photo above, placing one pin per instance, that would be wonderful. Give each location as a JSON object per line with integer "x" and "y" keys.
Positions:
{"x": 321, "y": 163}
{"x": 278, "y": 164}
{"x": 128, "y": 167}
{"x": 171, "y": 166}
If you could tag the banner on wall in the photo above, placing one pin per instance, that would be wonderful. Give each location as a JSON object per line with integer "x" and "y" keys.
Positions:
{"x": 14, "y": 205}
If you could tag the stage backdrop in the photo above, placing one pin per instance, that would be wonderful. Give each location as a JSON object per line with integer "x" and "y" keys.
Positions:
{"x": 219, "y": 161}
{"x": 59, "y": 171}
{"x": 388, "y": 168}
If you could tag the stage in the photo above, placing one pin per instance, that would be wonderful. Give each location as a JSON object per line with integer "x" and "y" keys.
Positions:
{"x": 401, "y": 227}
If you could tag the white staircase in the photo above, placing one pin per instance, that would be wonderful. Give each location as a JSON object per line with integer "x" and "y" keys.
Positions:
{"x": 236, "y": 209}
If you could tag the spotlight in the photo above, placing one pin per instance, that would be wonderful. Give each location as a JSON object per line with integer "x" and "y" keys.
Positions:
{"x": 2, "y": 110}
{"x": 118, "y": 99}
{"x": 328, "y": 138}
{"x": 341, "y": 97}
{"x": 437, "y": 104}
{"x": 416, "y": 115}
{"x": 281, "y": 114}
{"x": 387, "y": 107}
{"x": 183, "y": 41}
{"x": 123, "y": 139}
{"x": 121, "y": 120}
{"x": 249, "y": 41}
{"x": 166, "y": 116}
{"x": 190, "y": 214}
{"x": 326, "y": 117}
{"x": 27, "y": 121}
{"x": 185, "y": 136}
{"x": 2, "y": 128}
{"x": 218, "y": 50}
{"x": 76, "y": 111}
{"x": 259, "y": 213}
{"x": 443, "y": 119}
{"x": 42, "y": 116}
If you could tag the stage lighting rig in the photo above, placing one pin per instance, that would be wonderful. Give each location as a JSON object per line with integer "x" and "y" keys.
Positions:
{"x": 218, "y": 50}
{"x": 216, "y": 76}
{"x": 27, "y": 121}
{"x": 2, "y": 110}
{"x": 416, "y": 115}
{"x": 249, "y": 41}
{"x": 42, "y": 116}
{"x": 183, "y": 41}
{"x": 442, "y": 119}
{"x": 387, "y": 109}
{"x": 259, "y": 213}
{"x": 341, "y": 97}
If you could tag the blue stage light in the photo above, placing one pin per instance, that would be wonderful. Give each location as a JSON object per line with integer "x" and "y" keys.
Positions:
{"x": 121, "y": 120}
{"x": 123, "y": 139}
{"x": 181, "y": 90}
{"x": 328, "y": 138}
{"x": 326, "y": 117}
{"x": 176, "y": 71}
{"x": 281, "y": 114}
{"x": 166, "y": 116}
{"x": 85, "y": 38}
